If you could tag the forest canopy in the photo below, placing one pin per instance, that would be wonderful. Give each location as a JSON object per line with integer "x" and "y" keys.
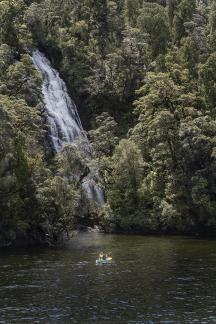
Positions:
{"x": 143, "y": 74}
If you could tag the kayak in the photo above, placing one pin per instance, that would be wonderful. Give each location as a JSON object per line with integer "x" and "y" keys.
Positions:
{"x": 106, "y": 261}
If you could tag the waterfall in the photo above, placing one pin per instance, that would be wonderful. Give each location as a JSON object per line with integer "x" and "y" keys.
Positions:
{"x": 63, "y": 119}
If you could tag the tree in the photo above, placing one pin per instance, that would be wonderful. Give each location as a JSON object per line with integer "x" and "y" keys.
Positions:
{"x": 194, "y": 47}
{"x": 58, "y": 202}
{"x": 212, "y": 26}
{"x": 177, "y": 141}
{"x": 207, "y": 79}
{"x": 131, "y": 11}
{"x": 23, "y": 80}
{"x": 184, "y": 13}
{"x": 172, "y": 5}
{"x": 123, "y": 194}
{"x": 104, "y": 140}
{"x": 13, "y": 29}
{"x": 104, "y": 136}
{"x": 153, "y": 20}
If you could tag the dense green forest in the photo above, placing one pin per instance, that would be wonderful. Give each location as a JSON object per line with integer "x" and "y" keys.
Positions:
{"x": 143, "y": 74}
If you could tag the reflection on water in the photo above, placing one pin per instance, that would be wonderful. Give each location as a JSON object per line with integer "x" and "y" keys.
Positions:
{"x": 152, "y": 280}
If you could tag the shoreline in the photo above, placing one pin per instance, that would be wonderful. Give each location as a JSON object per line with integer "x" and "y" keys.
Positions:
{"x": 30, "y": 242}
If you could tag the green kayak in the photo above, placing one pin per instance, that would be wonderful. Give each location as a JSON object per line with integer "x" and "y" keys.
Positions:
{"x": 106, "y": 261}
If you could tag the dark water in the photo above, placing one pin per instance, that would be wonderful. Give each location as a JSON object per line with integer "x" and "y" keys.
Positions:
{"x": 152, "y": 280}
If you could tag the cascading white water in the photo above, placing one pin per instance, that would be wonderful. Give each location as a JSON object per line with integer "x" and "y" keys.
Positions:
{"x": 62, "y": 118}
{"x": 62, "y": 115}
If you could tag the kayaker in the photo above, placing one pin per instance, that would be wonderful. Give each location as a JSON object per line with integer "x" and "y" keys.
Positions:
{"x": 101, "y": 256}
{"x": 109, "y": 256}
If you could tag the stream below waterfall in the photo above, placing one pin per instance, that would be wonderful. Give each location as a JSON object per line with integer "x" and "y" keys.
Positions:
{"x": 151, "y": 280}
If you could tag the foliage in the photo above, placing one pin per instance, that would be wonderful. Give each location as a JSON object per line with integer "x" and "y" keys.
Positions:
{"x": 143, "y": 75}
{"x": 154, "y": 21}
{"x": 57, "y": 201}
{"x": 123, "y": 194}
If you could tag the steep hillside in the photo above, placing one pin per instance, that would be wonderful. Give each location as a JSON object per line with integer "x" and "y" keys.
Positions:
{"x": 143, "y": 76}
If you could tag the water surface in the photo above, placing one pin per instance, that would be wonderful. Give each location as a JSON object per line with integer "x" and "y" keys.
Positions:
{"x": 152, "y": 280}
